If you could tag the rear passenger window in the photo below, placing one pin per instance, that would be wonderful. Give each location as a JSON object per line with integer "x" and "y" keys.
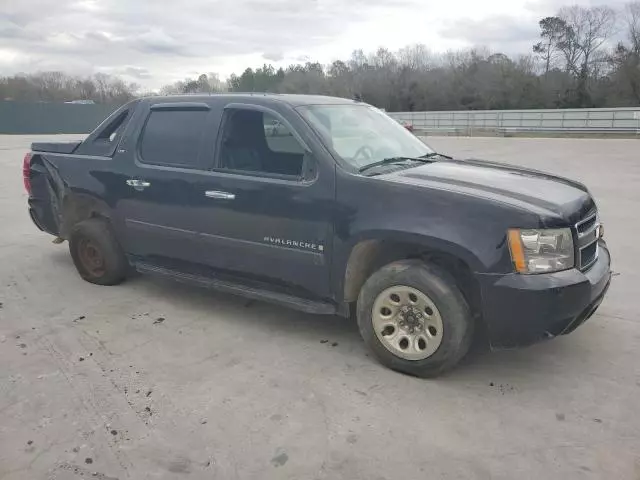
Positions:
{"x": 173, "y": 137}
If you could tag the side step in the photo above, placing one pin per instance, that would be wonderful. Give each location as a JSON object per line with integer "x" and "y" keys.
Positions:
{"x": 255, "y": 293}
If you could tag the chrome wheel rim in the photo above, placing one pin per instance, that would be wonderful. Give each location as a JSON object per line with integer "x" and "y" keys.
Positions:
{"x": 407, "y": 322}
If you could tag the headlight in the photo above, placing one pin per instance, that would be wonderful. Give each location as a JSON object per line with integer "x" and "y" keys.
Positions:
{"x": 541, "y": 251}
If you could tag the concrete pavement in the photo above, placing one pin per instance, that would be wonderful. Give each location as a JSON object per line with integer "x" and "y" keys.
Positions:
{"x": 155, "y": 380}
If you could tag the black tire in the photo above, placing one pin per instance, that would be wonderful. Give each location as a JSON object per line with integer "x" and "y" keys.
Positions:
{"x": 97, "y": 233}
{"x": 440, "y": 287}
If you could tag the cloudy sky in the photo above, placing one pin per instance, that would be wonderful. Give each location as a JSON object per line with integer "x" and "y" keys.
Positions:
{"x": 154, "y": 42}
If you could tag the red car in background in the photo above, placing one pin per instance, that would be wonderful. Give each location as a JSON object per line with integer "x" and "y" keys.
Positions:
{"x": 405, "y": 124}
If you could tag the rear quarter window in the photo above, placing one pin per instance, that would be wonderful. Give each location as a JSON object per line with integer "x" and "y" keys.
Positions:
{"x": 173, "y": 138}
{"x": 103, "y": 140}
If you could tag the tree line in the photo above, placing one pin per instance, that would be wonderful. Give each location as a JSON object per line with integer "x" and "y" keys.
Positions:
{"x": 61, "y": 87}
{"x": 576, "y": 63}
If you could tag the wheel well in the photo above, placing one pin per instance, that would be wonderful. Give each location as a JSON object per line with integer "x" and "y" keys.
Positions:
{"x": 370, "y": 255}
{"x": 77, "y": 208}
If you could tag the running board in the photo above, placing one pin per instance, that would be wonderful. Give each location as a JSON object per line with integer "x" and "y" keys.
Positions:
{"x": 252, "y": 292}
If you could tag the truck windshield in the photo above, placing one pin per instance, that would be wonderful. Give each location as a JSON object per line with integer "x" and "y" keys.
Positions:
{"x": 361, "y": 134}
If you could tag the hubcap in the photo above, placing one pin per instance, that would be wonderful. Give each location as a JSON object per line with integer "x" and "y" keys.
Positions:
{"x": 407, "y": 322}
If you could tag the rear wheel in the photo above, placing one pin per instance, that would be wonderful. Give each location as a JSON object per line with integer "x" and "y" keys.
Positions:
{"x": 96, "y": 253}
{"x": 414, "y": 318}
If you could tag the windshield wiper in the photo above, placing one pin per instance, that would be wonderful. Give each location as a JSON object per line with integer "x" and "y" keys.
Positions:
{"x": 436, "y": 154}
{"x": 390, "y": 160}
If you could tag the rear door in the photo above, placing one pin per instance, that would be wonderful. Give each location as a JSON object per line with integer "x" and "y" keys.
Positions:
{"x": 164, "y": 162}
{"x": 268, "y": 210}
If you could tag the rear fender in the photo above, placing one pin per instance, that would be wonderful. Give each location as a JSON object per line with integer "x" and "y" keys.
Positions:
{"x": 56, "y": 205}
{"x": 77, "y": 207}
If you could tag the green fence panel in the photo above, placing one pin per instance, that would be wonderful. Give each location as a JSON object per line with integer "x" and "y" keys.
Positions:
{"x": 43, "y": 117}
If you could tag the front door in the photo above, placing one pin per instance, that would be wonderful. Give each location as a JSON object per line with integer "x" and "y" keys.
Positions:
{"x": 267, "y": 206}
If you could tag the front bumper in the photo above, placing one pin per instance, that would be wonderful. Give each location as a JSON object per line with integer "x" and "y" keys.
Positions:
{"x": 523, "y": 309}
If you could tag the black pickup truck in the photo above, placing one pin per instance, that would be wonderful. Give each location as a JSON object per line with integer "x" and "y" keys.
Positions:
{"x": 327, "y": 206}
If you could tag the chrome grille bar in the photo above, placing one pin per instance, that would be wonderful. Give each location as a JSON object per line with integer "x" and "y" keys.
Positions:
{"x": 588, "y": 232}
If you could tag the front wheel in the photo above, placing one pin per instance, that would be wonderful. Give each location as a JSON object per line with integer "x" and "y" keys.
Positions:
{"x": 414, "y": 318}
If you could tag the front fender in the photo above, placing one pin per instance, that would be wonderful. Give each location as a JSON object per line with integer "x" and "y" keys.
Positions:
{"x": 363, "y": 253}
{"x": 428, "y": 242}
{"x": 468, "y": 228}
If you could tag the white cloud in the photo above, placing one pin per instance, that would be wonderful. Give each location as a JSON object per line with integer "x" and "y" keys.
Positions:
{"x": 158, "y": 41}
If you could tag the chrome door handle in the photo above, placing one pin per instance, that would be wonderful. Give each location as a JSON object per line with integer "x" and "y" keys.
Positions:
{"x": 138, "y": 183}
{"x": 219, "y": 195}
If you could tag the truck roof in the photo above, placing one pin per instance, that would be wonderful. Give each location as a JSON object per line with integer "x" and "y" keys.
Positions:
{"x": 292, "y": 99}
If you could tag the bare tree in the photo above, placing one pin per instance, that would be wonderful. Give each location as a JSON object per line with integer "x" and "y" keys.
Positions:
{"x": 173, "y": 88}
{"x": 60, "y": 87}
{"x": 416, "y": 57}
{"x": 581, "y": 39}
{"x": 552, "y": 31}
{"x": 204, "y": 83}
{"x": 625, "y": 59}
{"x": 587, "y": 29}
{"x": 632, "y": 18}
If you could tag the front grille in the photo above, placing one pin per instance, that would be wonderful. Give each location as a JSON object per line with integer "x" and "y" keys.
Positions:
{"x": 587, "y": 224}
{"x": 587, "y": 232}
{"x": 588, "y": 255}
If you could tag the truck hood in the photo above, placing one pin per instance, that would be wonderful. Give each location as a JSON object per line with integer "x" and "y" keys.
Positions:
{"x": 540, "y": 192}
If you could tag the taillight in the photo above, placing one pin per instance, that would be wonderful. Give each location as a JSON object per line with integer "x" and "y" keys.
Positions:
{"x": 26, "y": 172}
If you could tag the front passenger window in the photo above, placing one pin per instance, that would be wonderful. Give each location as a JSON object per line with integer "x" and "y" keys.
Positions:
{"x": 254, "y": 141}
